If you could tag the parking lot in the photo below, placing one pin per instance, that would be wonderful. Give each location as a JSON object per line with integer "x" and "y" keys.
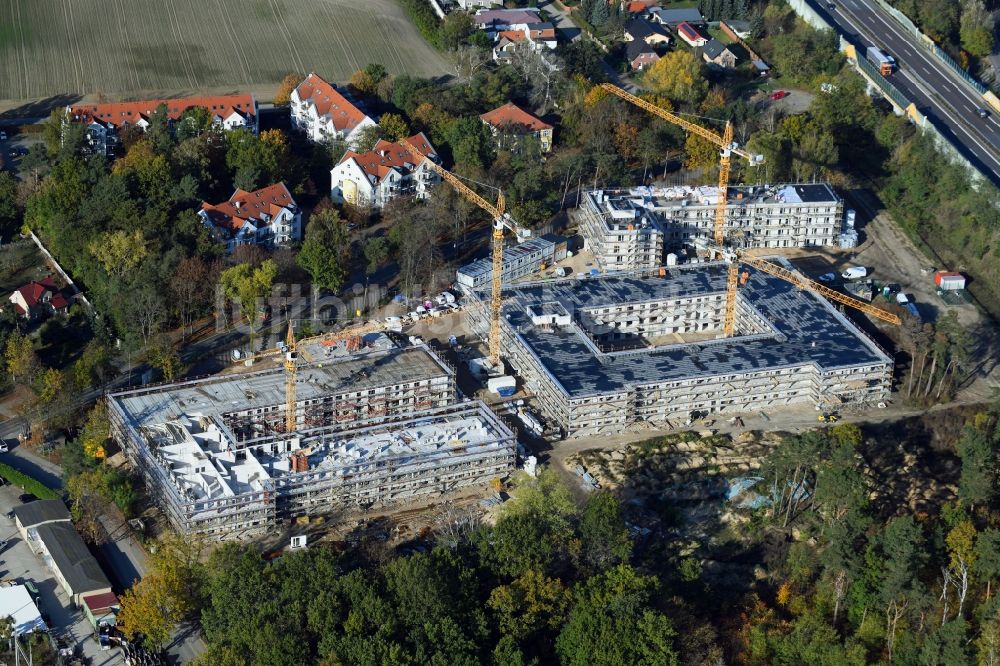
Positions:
{"x": 15, "y": 146}
{"x": 19, "y": 563}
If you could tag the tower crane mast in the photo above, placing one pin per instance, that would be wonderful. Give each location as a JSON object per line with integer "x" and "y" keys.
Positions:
{"x": 500, "y": 221}
{"x": 728, "y": 148}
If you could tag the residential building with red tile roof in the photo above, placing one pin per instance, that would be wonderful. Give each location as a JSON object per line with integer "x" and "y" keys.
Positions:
{"x": 324, "y": 113}
{"x": 692, "y": 35}
{"x": 509, "y": 27}
{"x": 104, "y": 121}
{"x": 383, "y": 173}
{"x": 38, "y": 299}
{"x": 640, "y": 6}
{"x": 509, "y": 122}
{"x": 268, "y": 217}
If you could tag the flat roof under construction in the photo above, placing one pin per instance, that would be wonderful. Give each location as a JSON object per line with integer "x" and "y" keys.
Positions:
{"x": 214, "y": 396}
{"x": 204, "y": 467}
{"x": 805, "y": 329}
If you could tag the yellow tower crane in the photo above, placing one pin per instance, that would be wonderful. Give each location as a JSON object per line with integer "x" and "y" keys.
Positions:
{"x": 727, "y": 148}
{"x": 736, "y": 257}
{"x": 500, "y": 221}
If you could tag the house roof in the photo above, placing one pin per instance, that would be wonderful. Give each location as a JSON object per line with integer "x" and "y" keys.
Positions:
{"x": 677, "y": 16}
{"x": 34, "y": 293}
{"x": 330, "y": 103}
{"x": 245, "y": 206}
{"x": 117, "y": 113}
{"x": 637, "y": 48}
{"x": 41, "y": 511}
{"x": 738, "y": 25}
{"x": 16, "y": 604}
{"x": 58, "y": 301}
{"x": 714, "y": 48}
{"x": 542, "y": 30}
{"x": 510, "y": 114}
{"x": 641, "y": 29}
{"x": 639, "y": 6}
{"x": 70, "y": 556}
{"x": 492, "y": 17}
{"x": 101, "y": 602}
{"x": 690, "y": 32}
{"x": 511, "y": 35}
{"x": 386, "y": 156}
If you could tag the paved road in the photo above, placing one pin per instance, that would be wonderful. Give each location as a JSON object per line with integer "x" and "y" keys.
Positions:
{"x": 939, "y": 93}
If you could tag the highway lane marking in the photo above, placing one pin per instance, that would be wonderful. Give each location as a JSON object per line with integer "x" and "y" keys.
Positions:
{"x": 926, "y": 57}
{"x": 941, "y": 108}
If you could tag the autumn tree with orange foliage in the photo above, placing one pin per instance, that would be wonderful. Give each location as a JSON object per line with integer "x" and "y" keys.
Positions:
{"x": 285, "y": 88}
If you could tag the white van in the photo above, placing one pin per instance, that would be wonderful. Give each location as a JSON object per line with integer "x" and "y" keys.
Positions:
{"x": 855, "y": 273}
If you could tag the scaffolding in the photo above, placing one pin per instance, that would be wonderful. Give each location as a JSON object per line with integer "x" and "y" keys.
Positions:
{"x": 233, "y": 473}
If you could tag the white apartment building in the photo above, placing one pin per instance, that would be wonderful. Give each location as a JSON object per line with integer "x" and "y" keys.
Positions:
{"x": 385, "y": 172}
{"x": 268, "y": 217}
{"x": 105, "y": 121}
{"x": 769, "y": 216}
{"x": 323, "y": 113}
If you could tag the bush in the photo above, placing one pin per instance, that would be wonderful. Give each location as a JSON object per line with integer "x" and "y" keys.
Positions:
{"x": 27, "y": 483}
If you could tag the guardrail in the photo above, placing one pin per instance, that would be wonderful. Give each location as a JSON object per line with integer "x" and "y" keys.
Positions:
{"x": 928, "y": 43}
{"x": 889, "y": 90}
{"x": 904, "y": 105}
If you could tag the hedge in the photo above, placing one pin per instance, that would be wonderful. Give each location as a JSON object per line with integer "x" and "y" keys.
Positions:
{"x": 425, "y": 20}
{"x": 29, "y": 484}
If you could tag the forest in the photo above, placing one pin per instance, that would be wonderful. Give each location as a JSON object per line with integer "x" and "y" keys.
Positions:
{"x": 831, "y": 568}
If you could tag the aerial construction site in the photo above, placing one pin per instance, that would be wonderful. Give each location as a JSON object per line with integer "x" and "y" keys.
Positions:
{"x": 684, "y": 316}
{"x": 372, "y": 429}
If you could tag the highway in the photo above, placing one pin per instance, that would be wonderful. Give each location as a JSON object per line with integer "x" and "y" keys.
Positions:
{"x": 938, "y": 92}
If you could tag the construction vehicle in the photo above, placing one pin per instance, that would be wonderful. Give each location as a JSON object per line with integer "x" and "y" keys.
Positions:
{"x": 828, "y": 418}
{"x": 501, "y": 221}
{"x": 718, "y": 248}
{"x": 727, "y": 148}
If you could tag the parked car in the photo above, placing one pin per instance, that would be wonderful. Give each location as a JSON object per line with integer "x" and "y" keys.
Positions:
{"x": 4, "y": 447}
{"x": 26, "y": 498}
{"x": 3, "y": 136}
{"x": 827, "y": 277}
{"x": 780, "y": 94}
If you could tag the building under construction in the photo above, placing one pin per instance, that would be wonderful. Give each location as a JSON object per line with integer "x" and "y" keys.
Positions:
{"x": 372, "y": 429}
{"x": 607, "y": 354}
{"x": 631, "y": 229}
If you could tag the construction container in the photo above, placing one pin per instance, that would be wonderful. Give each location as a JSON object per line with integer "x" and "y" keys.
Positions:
{"x": 671, "y": 259}
{"x": 504, "y": 386}
{"x": 948, "y": 281}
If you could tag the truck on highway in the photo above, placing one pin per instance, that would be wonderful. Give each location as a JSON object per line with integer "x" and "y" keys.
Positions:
{"x": 884, "y": 62}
